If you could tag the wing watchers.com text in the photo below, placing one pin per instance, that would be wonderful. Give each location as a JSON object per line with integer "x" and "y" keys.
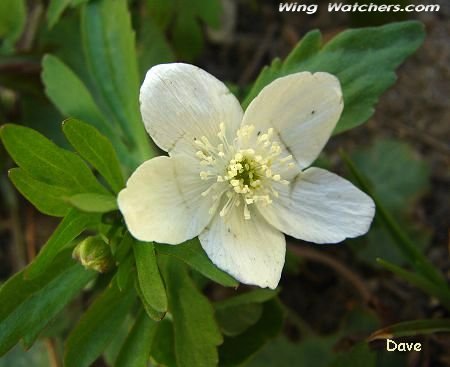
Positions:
{"x": 294, "y": 7}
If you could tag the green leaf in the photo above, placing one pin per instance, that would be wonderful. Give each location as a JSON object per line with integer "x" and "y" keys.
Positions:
{"x": 403, "y": 242}
{"x": 135, "y": 352}
{"x": 55, "y": 10}
{"x": 379, "y": 242}
{"x": 312, "y": 351}
{"x": 75, "y": 3}
{"x": 359, "y": 356}
{"x": 153, "y": 46}
{"x": 69, "y": 94}
{"x": 411, "y": 328}
{"x": 93, "y": 203}
{"x": 192, "y": 254}
{"x": 108, "y": 42}
{"x": 235, "y": 320}
{"x": 37, "y": 356}
{"x": 237, "y": 314}
{"x": 68, "y": 229}
{"x": 161, "y": 11}
{"x": 187, "y": 36}
{"x": 209, "y": 12}
{"x": 48, "y": 199}
{"x": 46, "y": 161}
{"x": 441, "y": 292}
{"x": 254, "y": 296}
{"x": 111, "y": 352}
{"x": 383, "y": 164}
{"x": 149, "y": 278}
{"x": 97, "y": 326}
{"x": 96, "y": 149}
{"x": 124, "y": 272}
{"x": 28, "y": 305}
{"x": 123, "y": 247}
{"x": 364, "y": 60}
{"x": 163, "y": 346}
{"x": 151, "y": 312}
{"x": 237, "y": 350}
{"x": 184, "y": 17}
{"x": 196, "y": 332}
{"x": 12, "y": 21}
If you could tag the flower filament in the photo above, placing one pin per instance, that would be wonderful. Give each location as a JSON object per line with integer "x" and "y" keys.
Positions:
{"x": 243, "y": 170}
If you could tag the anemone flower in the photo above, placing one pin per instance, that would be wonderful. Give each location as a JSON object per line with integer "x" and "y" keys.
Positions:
{"x": 239, "y": 180}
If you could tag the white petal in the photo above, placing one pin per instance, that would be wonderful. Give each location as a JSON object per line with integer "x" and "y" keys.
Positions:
{"x": 252, "y": 250}
{"x": 302, "y": 108}
{"x": 320, "y": 207}
{"x": 183, "y": 102}
{"x": 162, "y": 201}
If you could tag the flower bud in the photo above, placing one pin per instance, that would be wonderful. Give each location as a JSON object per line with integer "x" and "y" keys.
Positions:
{"x": 93, "y": 253}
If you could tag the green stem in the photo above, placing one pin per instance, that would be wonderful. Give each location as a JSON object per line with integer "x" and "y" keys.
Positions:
{"x": 442, "y": 293}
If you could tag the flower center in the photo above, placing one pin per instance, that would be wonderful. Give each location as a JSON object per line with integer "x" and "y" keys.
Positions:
{"x": 242, "y": 170}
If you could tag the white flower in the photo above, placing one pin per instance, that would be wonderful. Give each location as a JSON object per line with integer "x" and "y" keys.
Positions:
{"x": 238, "y": 180}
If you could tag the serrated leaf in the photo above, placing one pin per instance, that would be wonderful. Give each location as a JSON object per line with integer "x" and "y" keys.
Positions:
{"x": 149, "y": 278}
{"x": 28, "y": 305}
{"x": 363, "y": 59}
{"x": 93, "y": 203}
{"x": 68, "y": 229}
{"x": 108, "y": 42}
{"x": 237, "y": 350}
{"x": 96, "y": 149}
{"x": 55, "y": 10}
{"x": 135, "y": 352}
{"x": 195, "y": 329}
{"x": 48, "y": 199}
{"x": 192, "y": 254}
{"x": 412, "y": 328}
{"x": 97, "y": 326}
{"x": 47, "y": 162}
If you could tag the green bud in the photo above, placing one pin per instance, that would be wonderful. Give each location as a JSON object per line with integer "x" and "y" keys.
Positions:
{"x": 93, "y": 253}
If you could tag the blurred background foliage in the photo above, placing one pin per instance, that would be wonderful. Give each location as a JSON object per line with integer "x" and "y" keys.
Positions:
{"x": 54, "y": 64}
